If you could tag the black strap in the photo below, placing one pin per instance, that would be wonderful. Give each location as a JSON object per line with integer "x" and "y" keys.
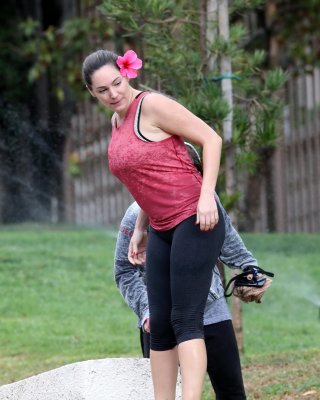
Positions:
{"x": 138, "y": 124}
{"x": 248, "y": 270}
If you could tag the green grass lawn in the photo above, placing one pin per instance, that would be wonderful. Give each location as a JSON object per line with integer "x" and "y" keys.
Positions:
{"x": 59, "y": 304}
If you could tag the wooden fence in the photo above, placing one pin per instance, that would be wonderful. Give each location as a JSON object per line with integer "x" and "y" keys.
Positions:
{"x": 301, "y": 167}
{"x": 296, "y": 171}
{"x": 94, "y": 196}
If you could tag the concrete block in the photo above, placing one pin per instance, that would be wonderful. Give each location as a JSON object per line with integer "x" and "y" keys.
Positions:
{"x": 106, "y": 379}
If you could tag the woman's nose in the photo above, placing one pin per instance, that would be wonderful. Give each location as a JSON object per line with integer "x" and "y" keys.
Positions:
{"x": 112, "y": 93}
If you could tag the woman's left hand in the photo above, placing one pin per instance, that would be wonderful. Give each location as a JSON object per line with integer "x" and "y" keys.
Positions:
{"x": 146, "y": 325}
{"x": 207, "y": 211}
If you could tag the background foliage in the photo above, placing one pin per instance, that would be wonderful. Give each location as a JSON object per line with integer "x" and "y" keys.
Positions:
{"x": 44, "y": 44}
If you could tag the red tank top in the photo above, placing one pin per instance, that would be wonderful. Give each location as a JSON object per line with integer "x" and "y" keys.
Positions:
{"x": 160, "y": 175}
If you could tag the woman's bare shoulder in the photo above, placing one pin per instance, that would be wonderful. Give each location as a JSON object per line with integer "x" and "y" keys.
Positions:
{"x": 154, "y": 102}
{"x": 155, "y": 98}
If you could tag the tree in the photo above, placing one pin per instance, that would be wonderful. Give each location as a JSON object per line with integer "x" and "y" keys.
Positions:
{"x": 23, "y": 141}
{"x": 15, "y": 124}
{"x": 170, "y": 37}
{"x": 39, "y": 55}
{"x": 217, "y": 22}
{"x": 294, "y": 31}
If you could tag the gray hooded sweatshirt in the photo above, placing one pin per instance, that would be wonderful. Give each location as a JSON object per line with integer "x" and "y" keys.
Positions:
{"x": 130, "y": 279}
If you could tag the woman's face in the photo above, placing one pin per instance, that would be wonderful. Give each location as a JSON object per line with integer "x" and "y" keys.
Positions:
{"x": 111, "y": 88}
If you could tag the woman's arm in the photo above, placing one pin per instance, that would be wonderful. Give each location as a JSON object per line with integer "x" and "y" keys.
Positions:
{"x": 166, "y": 116}
{"x": 129, "y": 278}
{"x": 234, "y": 252}
{"x": 207, "y": 212}
{"x": 138, "y": 242}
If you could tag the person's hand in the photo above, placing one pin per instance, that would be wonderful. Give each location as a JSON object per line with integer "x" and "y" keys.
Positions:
{"x": 146, "y": 325}
{"x": 207, "y": 211}
{"x": 137, "y": 247}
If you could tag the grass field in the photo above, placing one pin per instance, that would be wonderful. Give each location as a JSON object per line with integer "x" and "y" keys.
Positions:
{"x": 59, "y": 304}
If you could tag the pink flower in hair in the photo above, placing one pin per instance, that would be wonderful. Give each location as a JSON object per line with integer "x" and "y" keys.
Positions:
{"x": 129, "y": 64}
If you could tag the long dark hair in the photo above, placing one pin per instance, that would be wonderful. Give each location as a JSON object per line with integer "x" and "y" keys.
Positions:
{"x": 96, "y": 60}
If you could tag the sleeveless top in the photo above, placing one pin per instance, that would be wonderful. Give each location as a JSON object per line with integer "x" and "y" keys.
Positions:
{"x": 160, "y": 175}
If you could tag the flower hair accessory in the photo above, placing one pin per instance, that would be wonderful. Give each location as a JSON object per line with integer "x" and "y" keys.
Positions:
{"x": 129, "y": 64}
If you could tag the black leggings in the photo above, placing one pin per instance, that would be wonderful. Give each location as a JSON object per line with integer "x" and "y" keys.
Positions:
{"x": 223, "y": 366}
{"x": 179, "y": 271}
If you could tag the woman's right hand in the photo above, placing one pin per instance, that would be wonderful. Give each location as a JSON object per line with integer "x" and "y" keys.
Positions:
{"x": 137, "y": 247}
{"x": 207, "y": 211}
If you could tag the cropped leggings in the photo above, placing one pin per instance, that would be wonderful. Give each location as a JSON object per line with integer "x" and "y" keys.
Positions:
{"x": 179, "y": 272}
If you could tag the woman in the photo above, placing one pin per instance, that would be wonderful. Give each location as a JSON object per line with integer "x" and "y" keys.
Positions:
{"x": 148, "y": 155}
{"x": 223, "y": 367}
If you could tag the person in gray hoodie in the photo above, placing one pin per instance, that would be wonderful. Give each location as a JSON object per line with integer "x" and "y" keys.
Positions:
{"x": 223, "y": 366}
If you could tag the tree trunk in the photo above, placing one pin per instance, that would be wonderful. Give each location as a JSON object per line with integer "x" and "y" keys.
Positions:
{"x": 211, "y": 30}
{"x": 203, "y": 35}
{"x": 226, "y": 71}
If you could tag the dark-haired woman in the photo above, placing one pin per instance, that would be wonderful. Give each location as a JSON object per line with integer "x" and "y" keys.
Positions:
{"x": 148, "y": 155}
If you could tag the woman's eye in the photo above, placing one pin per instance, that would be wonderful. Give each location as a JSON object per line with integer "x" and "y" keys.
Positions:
{"x": 117, "y": 83}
